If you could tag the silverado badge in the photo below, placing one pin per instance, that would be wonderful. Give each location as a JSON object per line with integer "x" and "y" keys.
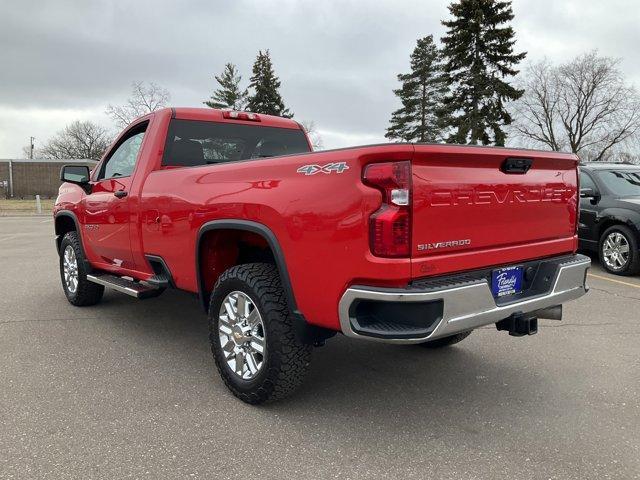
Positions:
{"x": 447, "y": 244}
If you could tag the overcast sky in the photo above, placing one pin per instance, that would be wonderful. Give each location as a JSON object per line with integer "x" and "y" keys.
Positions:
{"x": 337, "y": 60}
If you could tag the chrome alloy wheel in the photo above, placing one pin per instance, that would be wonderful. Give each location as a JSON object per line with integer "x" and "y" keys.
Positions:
{"x": 615, "y": 251}
{"x": 70, "y": 269}
{"x": 242, "y": 335}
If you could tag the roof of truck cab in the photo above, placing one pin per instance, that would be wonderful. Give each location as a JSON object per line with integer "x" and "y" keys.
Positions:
{"x": 215, "y": 115}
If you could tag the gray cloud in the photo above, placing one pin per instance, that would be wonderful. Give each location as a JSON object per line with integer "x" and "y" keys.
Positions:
{"x": 337, "y": 59}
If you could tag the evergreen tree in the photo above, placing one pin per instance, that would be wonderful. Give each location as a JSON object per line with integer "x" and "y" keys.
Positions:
{"x": 421, "y": 95}
{"x": 266, "y": 97}
{"x": 229, "y": 95}
{"x": 478, "y": 48}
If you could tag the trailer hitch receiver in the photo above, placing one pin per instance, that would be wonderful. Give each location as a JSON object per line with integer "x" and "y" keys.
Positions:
{"x": 519, "y": 325}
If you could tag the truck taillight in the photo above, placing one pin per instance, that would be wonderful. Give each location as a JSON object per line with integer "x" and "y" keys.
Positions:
{"x": 390, "y": 225}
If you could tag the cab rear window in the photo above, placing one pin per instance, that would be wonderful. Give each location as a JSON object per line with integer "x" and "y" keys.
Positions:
{"x": 193, "y": 143}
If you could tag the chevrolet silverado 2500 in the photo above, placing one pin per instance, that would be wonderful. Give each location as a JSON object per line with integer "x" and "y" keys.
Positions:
{"x": 400, "y": 243}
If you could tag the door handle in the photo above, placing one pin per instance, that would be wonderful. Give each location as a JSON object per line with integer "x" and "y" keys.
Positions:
{"x": 120, "y": 193}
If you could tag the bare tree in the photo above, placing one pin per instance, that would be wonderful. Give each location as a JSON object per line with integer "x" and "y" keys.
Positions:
{"x": 583, "y": 106}
{"x": 145, "y": 98}
{"x": 313, "y": 134}
{"x": 26, "y": 151}
{"x": 627, "y": 156}
{"x": 85, "y": 140}
{"x": 626, "y": 152}
{"x": 29, "y": 150}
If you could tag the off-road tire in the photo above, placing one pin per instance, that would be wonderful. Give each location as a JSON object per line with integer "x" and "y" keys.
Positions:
{"x": 87, "y": 293}
{"x": 446, "y": 341}
{"x": 633, "y": 264}
{"x": 286, "y": 359}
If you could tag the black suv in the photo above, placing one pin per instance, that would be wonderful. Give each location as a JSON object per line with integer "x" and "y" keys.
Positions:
{"x": 610, "y": 214}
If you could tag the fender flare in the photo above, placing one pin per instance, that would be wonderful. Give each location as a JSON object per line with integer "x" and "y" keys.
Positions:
{"x": 306, "y": 332}
{"x": 70, "y": 214}
{"x": 272, "y": 241}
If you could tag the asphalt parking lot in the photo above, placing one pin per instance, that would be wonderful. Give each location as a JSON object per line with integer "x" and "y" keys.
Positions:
{"x": 128, "y": 389}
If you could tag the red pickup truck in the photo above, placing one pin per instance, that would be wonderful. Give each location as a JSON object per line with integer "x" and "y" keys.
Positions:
{"x": 401, "y": 243}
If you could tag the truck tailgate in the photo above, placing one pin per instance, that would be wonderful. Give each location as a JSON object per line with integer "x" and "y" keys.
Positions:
{"x": 468, "y": 213}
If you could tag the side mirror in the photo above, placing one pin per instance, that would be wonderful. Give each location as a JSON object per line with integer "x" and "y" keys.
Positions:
{"x": 77, "y": 174}
{"x": 588, "y": 193}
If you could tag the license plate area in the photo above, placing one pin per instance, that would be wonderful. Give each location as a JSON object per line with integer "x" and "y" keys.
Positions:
{"x": 506, "y": 281}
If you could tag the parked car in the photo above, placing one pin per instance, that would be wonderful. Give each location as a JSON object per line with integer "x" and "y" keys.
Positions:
{"x": 399, "y": 243}
{"x": 610, "y": 215}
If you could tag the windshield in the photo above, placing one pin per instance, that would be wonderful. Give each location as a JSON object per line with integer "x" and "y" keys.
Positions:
{"x": 623, "y": 183}
{"x": 193, "y": 143}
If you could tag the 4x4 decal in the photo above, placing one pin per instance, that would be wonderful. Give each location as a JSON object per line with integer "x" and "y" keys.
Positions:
{"x": 338, "y": 167}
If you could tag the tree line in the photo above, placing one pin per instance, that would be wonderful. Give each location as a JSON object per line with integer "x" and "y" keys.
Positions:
{"x": 468, "y": 91}
{"x": 464, "y": 89}
{"x": 86, "y": 139}
{"x": 457, "y": 93}
{"x": 264, "y": 87}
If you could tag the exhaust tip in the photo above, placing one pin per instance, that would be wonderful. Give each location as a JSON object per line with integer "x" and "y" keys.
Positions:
{"x": 549, "y": 313}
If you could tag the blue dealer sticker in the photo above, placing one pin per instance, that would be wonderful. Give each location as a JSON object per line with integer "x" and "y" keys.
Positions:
{"x": 506, "y": 281}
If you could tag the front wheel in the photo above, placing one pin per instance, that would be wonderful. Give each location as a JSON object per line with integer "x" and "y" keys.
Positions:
{"x": 619, "y": 251}
{"x": 78, "y": 290}
{"x": 252, "y": 336}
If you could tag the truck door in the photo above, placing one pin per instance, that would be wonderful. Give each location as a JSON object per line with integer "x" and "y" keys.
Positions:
{"x": 107, "y": 209}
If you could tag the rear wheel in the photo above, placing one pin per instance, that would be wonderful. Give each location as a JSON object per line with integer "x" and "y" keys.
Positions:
{"x": 446, "y": 341}
{"x": 73, "y": 273}
{"x": 252, "y": 336}
{"x": 619, "y": 251}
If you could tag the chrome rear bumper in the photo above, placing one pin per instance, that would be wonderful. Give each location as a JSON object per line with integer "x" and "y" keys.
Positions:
{"x": 468, "y": 305}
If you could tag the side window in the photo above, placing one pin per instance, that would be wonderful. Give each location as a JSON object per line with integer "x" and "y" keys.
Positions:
{"x": 587, "y": 182}
{"x": 123, "y": 158}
